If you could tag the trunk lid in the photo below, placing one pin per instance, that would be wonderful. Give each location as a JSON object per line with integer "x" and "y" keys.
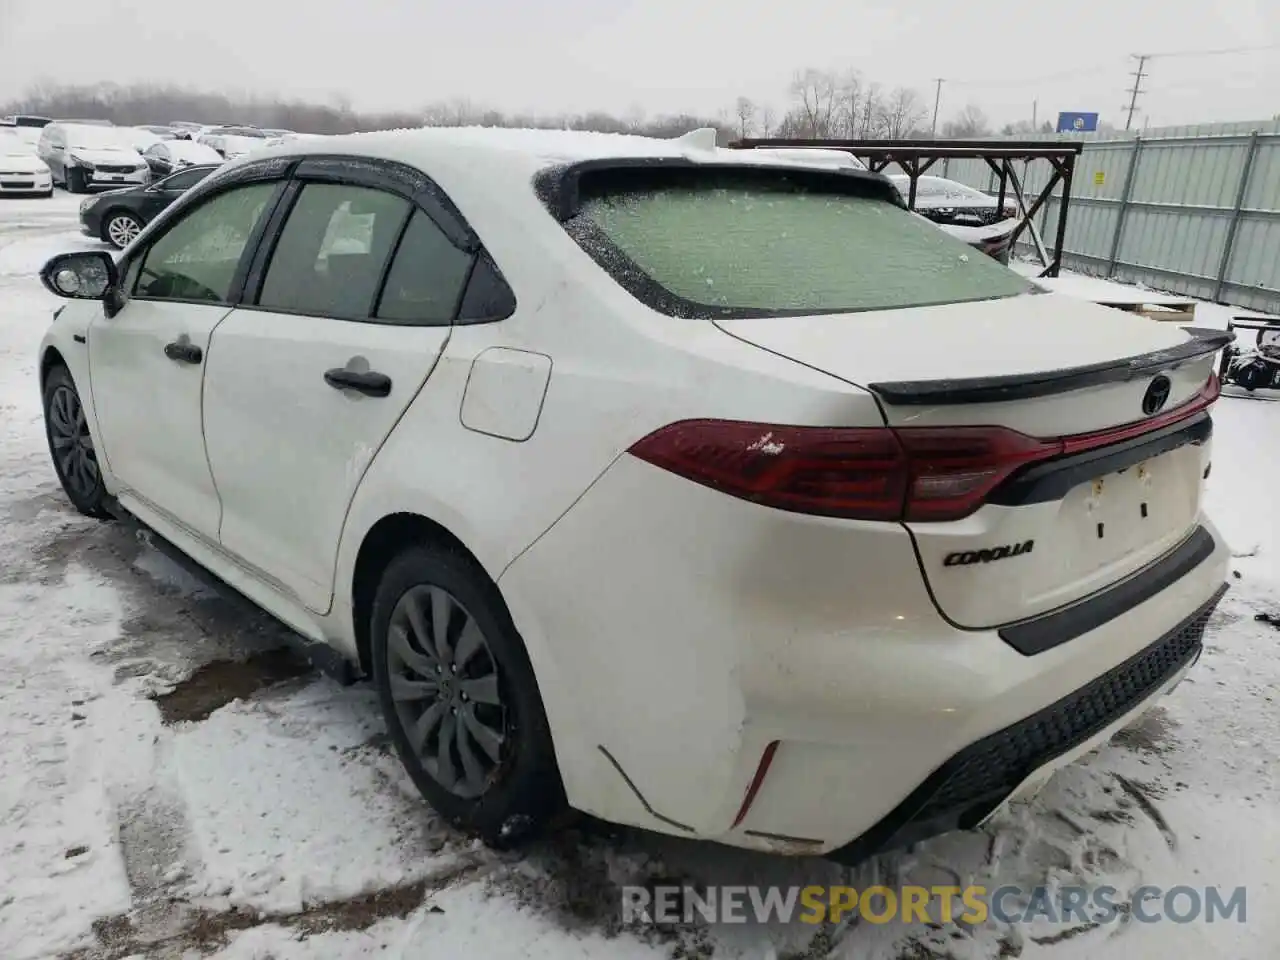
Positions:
{"x": 1048, "y": 367}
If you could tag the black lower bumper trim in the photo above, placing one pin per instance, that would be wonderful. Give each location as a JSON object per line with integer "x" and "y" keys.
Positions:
{"x": 963, "y": 791}
{"x": 1043, "y": 633}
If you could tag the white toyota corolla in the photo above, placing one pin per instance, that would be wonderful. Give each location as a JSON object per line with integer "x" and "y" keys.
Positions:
{"x": 693, "y": 488}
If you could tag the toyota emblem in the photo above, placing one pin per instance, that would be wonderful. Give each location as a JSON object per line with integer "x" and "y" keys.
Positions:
{"x": 1157, "y": 395}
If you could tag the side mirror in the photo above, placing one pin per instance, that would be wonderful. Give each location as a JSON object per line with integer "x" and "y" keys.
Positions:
{"x": 86, "y": 275}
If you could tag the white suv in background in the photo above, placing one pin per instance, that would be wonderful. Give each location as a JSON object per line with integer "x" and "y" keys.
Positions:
{"x": 83, "y": 156}
{"x": 702, "y": 490}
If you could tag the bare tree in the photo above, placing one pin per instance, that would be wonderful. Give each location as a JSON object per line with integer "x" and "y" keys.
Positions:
{"x": 815, "y": 93}
{"x": 849, "y": 114}
{"x": 768, "y": 120}
{"x": 903, "y": 111}
{"x": 635, "y": 118}
{"x": 872, "y": 112}
{"x": 971, "y": 122}
{"x": 745, "y": 112}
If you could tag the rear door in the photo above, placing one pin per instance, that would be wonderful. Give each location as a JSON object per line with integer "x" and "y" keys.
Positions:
{"x": 344, "y": 320}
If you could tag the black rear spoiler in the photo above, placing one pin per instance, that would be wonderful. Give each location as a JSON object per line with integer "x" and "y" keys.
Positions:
{"x": 1202, "y": 342}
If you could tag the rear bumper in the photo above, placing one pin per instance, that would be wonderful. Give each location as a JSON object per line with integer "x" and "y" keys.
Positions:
{"x": 683, "y": 635}
{"x": 966, "y": 789}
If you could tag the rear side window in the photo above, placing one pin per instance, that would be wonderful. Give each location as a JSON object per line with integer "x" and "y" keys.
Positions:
{"x": 331, "y": 254}
{"x": 426, "y": 278}
{"x": 723, "y": 243}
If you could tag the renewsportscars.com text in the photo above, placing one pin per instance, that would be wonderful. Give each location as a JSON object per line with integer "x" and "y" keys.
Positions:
{"x": 668, "y": 905}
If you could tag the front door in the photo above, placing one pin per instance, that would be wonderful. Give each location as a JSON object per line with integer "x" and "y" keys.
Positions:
{"x": 147, "y": 361}
{"x": 304, "y": 386}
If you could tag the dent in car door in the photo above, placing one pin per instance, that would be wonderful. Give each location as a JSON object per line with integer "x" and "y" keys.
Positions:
{"x": 353, "y": 311}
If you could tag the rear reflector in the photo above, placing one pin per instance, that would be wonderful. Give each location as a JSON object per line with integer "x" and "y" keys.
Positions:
{"x": 872, "y": 473}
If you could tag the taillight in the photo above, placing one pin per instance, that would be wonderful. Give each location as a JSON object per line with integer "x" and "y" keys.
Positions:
{"x": 954, "y": 468}
{"x": 838, "y": 472}
{"x": 917, "y": 474}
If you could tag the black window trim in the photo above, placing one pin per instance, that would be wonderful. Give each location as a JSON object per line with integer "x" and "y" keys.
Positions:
{"x": 216, "y": 184}
{"x": 389, "y": 176}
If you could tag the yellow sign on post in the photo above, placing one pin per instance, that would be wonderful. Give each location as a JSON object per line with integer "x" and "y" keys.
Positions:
{"x": 1099, "y": 178}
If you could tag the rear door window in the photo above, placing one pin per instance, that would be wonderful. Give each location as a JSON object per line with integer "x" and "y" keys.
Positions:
{"x": 761, "y": 243}
{"x": 333, "y": 251}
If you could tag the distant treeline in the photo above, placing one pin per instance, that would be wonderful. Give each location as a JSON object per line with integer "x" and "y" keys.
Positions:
{"x": 822, "y": 104}
{"x": 147, "y": 103}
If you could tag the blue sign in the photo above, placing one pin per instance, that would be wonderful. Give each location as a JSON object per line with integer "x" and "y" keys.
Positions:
{"x": 1077, "y": 122}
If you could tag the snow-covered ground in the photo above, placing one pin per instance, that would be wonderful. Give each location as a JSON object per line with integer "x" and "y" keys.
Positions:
{"x": 171, "y": 784}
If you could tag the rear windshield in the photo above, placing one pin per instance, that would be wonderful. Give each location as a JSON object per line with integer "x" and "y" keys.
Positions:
{"x": 725, "y": 244}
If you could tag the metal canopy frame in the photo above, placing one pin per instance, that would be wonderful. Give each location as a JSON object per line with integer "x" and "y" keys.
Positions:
{"x": 916, "y": 157}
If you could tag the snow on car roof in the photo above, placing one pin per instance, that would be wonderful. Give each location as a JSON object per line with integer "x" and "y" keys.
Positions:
{"x": 525, "y": 151}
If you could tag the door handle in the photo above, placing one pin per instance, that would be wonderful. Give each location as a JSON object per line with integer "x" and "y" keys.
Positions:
{"x": 183, "y": 352}
{"x": 371, "y": 384}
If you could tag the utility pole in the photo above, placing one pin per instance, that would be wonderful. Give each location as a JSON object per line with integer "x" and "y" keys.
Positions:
{"x": 1137, "y": 75}
{"x": 1035, "y": 107}
{"x": 937, "y": 98}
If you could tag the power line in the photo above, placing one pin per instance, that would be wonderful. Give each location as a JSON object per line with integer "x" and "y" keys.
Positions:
{"x": 1023, "y": 81}
{"x": 1212, "y": 53}
{"x": 1016, "y": 81}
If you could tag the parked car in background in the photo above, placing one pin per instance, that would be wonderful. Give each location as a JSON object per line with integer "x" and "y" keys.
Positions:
{"x": 84, "y": 156}
{"x": 117, "y": 216}
{"x": 21, "y": 171}
{"x": 189, "y": 127}
{"x": 170, "y": 156}
{"x": 950, "y": 202}
{"x": 675, "y": 484}
{"x": 30, "y": 135}
{"x": 86, "y": 123}
{"x": 25, "y": 120}
{"x": 271, "y": 132}
{"x": 139, "y": 138}
{"x": 231, "y": 129}
{"x": 163, "y": 131}
{"x": 232, "y": 146}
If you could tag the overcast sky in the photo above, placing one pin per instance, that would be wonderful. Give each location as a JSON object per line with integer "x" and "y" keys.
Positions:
{"x": 550, "y": 56}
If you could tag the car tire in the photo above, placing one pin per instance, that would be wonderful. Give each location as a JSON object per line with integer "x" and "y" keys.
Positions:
{"x": 71, "y": 446}
{"x": 119, "y": 227}
{"x": 75, "y": 180}
{"x": 496, "y": 775}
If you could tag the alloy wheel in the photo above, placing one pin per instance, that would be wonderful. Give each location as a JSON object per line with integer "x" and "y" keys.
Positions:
{"x": 71, "y": 442}
{"x": 122, "y": 229}
{"x": 444, "y": 683}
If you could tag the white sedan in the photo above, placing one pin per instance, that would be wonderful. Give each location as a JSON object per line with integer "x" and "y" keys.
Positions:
{"x": 685, "y": 487}
{"x": 21, "y": 171}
